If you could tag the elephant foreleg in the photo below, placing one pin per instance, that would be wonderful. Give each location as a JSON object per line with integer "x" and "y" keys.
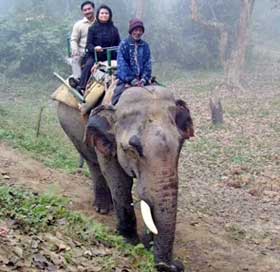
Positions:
{"x": 120, "y": 185}
{"x": 102, "y": 195}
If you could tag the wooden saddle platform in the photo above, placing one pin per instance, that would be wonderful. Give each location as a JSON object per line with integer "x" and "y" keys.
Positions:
{"x": 99, "y": 89}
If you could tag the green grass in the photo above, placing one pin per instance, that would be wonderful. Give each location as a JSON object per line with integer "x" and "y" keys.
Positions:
{"x": 19, "y": 111}
{"x": 44, "y": 148}
{"x": 42, "y": 213}
{"x": 168, "y": 73}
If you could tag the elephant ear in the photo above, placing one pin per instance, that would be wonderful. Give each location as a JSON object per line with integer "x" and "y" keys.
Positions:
{"x": 183, "y": 120}
{"x": 99, "y": 130}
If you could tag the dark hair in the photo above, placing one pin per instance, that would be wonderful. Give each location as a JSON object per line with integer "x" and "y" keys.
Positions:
{"x": 104, "y": 7}
{"x": 87, "y": 3}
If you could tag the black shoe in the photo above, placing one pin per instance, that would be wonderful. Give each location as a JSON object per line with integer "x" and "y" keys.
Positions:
{"x": 73, "y": 82}
{"x": 80, "y": 90}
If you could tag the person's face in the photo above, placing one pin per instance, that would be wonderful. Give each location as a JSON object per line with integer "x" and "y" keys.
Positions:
{"x": 137, "y": 33}
{"x": 88, "y": 11}
{"x": 103, "y": 16}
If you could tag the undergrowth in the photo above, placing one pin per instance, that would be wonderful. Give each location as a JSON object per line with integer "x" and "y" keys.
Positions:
{"x": 34, "y": 213}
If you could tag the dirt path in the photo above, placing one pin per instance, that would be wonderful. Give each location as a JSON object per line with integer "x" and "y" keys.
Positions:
{"x": 202, "y": 241}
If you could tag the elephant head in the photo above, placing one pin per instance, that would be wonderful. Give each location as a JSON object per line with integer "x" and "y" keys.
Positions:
{"x": 146, "y": 131}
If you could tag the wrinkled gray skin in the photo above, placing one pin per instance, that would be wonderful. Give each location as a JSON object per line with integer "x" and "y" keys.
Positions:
{"x": 142, "y": 138}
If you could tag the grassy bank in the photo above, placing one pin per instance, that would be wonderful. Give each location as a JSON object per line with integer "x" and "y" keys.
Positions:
{"x": 20, "y": 104}
{"x": 65, "y": 240}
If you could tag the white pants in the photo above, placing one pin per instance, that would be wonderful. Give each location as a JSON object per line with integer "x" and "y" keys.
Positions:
{"x": 76, "y": 66}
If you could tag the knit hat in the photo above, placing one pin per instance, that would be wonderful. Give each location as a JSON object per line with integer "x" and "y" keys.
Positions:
{"x": 134, "y": 23}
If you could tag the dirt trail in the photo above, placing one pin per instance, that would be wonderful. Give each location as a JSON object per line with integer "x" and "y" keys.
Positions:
{"x": 201, "y": 242}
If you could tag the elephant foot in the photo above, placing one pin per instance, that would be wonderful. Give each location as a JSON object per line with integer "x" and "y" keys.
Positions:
{"x": 130, "y": 237}
{"x": 102, "y": 210}
{"x": 147, "y": 240}
{"x": 132, "y": 240}
{"x": 175, "y": 266}
{"x": 103, "y": 205}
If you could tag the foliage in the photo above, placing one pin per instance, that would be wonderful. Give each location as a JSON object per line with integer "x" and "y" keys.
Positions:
{"x": 54, "y": 153}
{"x": 40, "y": 213}
{"x": 51, "y": 147}
{"x": 36, "y": 35}
{"x": 33, "y": 44}
{"x": 180, "y": 40}
{"x": 36, "y": 39}
{"x": 30, "y": 210}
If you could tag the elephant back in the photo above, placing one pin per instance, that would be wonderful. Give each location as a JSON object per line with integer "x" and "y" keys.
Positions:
{"x": 144, "y": 96}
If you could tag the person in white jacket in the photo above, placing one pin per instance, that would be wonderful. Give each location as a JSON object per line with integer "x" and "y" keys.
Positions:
{"x": 79, "y": 37}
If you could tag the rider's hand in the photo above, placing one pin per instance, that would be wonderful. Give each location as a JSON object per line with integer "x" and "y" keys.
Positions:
{"x": 134, "y": 82}
{"x": 75, "y": 53}
{"x": 94, "y": 68}
{"x": 98, "y": 48}
{"x": 141, "y": 83}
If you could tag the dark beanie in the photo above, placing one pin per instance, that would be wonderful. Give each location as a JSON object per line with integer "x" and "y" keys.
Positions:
{"x": 134, "y": 23}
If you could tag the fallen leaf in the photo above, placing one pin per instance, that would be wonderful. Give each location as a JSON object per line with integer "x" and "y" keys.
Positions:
{"x": 4, "y": 231}
{"x": 42, "y": 263}
{"x": 18, "y": 251}
{"x": 6, "y": 177}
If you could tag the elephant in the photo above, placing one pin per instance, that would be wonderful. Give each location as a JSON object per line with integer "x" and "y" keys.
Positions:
{"x": 139, "y": 139}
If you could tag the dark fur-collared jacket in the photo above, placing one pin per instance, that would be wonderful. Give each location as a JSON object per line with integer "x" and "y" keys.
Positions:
{"x": 104, "y": 35}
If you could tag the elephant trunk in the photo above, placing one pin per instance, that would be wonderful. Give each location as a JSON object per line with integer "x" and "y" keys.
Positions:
{"x": 163, "y": 202}
{"x": 164, "y": 212}
{"x": 158, "y": 186}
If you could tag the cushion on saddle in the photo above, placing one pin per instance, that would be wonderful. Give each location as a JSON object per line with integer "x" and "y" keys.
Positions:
{"x": 93, "y": 94}
{"x": 63, "y": 95}
{"x": 94, "y": 91}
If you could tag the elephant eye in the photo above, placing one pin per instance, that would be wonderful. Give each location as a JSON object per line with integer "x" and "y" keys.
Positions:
{"x": 136, "y": 145}
{"x": 131, "y": 152}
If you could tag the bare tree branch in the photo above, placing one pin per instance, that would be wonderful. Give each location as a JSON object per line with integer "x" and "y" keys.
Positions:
{"x": 218, "y": 27}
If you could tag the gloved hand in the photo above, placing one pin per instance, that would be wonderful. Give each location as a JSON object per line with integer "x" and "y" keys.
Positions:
{"x": 134, "y": 82}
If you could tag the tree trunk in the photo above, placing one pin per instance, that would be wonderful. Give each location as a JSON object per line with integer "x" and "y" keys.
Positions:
{"x": 217, "y": 113}
{"x": 235, "y": 64}
{"x": 140, "y": 6}
{"x": 215, "y": 26}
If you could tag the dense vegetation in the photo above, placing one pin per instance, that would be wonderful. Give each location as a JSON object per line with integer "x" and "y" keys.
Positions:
{"x": 35, "y": 32}
{"x": 36, "y": 40}
{"x": 46, "y": 235}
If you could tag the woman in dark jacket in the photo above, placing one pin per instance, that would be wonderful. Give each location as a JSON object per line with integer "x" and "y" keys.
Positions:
{"x": 102, "y": 34}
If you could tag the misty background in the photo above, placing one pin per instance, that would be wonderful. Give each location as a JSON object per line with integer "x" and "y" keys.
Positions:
{"x": 229, "y": 191}
{"x": 33, "y": 33}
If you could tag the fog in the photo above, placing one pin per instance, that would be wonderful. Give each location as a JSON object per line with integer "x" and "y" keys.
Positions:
{"x": 173, "y": 36}
{"x": 222, "y": 58}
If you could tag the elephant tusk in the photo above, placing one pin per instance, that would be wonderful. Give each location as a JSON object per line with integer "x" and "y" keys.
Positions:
{"x": 147, "y": 217}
